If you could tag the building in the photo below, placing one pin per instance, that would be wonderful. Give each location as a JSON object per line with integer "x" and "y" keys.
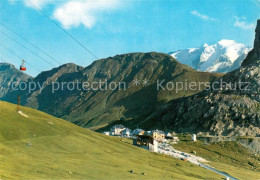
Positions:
{"x": 106, "y": 133}
{"x": 148, "y": 133}
{"x": 158, "y": 135}
{"x": 167, "y": 134}
{"x": 138, "y": 132}
{"x": 194, "y": 137}
{"x": 175, "y": 138}
{"x": 171, "y": 139}
{"x": 116, "y": 130}
{"x": 146, "y": 142}
{"x": 126, "y": 132}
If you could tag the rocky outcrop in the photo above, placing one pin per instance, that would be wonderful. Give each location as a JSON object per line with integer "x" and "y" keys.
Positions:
{"x": 8, "y": 75}
{"x": 255, "y": 53}
{"x": 218, "y": 112}
{"x": 227, "y": 109}
{"x": 257, "y": 39}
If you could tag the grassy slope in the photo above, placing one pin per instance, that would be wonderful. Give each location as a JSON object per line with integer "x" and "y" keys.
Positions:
{"x": 229, "y": 157}
{"x": 63, "y": 150}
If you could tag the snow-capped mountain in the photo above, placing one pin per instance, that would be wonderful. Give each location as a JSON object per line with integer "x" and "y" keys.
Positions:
{"x": 224, "y": 56}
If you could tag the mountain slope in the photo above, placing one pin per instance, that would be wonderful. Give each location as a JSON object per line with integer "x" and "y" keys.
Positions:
{"x": 224, "y": 56}
{"x": 35, "y": 86}
{"x": 45, "y": 147}
{"x": 255, "y": 53}
{"x": 89, "y": 108}
{"x": 228, "y": 109}
{"x": 8, "y": 75}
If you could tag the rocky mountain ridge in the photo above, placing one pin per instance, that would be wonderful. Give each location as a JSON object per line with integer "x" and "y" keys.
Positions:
{"x": 254, "y": 54}
{"x": 8, "y": 75}
{"x": 224, "y": 56}
{"x": 231, "y": 109}
{"x": 89, "y": 108}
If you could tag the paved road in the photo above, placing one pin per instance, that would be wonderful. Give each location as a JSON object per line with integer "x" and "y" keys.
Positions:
{"x": 216, "y": 171}
{"x": 167, "y": 149}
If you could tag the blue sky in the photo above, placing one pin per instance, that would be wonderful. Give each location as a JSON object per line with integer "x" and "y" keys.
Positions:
{"x": 111, "y": 27}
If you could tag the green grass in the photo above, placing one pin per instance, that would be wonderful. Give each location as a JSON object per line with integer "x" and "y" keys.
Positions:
{"x": 229, "y": 157}
{"x": 61, "y": 150}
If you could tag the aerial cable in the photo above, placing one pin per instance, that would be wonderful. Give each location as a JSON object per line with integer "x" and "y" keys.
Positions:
{"x": 66, "y": 32}
{"x": 13, "y": 53}
{"x": 30, "y": 43}
{"x": 5, "y": 61}
{"x": 27, "y": 49}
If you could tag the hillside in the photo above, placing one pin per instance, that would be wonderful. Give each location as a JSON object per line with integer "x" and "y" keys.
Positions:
{"x": 92, "y": 108}
{"x": 41, "y": 146}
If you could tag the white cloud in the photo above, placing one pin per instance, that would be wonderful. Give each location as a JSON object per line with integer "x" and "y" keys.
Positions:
{"x": 202, "y": 16}
{"x": 74, "y": 13}
{"x": 241, "y": 23}
{"x": 36, "y": 3}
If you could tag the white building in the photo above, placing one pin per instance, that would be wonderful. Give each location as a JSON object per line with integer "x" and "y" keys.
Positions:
{"x": 175, "y": 138}
{"x": 116, "y": 130}
{"x": 126, "y": 132}
{"x": 168, "y": 134}
{"x": 106, "y": 133}
{"x": 155, "y": 146}
{"x": 194, "y": 137}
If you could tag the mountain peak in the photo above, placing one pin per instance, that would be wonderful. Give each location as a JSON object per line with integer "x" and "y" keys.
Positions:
{"x": 8, "y": 75}
{"x": 223, "y": 56}
{"x": 69, "y": 65}
{"x": 205, "y": 45}
{"x": 254, "y": 55}
{"x": 226, "y": 42}
{"x": 6, "y": 66}
{"x": 58, "y": 71}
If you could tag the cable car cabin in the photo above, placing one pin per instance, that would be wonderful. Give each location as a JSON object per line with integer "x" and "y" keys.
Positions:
{"x": 23, "y": 67}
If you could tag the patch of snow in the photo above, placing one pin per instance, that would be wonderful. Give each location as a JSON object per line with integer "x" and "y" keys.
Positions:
{"x": 192, "y": 50}
{"x": 224, "y": 56}
{"x": 226, "y": 42}
{"x": 21, "y": 113}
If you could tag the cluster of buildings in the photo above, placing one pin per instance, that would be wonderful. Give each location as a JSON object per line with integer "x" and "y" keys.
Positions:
{"x": 145, "y": 139}
{"x": 120, "y": 130}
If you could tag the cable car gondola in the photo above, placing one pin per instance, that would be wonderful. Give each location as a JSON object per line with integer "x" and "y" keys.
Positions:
{"x": 23, "y": 67}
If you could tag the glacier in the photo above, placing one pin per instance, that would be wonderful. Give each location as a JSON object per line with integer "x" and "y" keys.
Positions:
{"x": 224, "y": 56}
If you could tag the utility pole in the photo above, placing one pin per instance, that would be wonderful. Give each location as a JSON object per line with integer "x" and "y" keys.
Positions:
{"x": 18, "y": 103}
